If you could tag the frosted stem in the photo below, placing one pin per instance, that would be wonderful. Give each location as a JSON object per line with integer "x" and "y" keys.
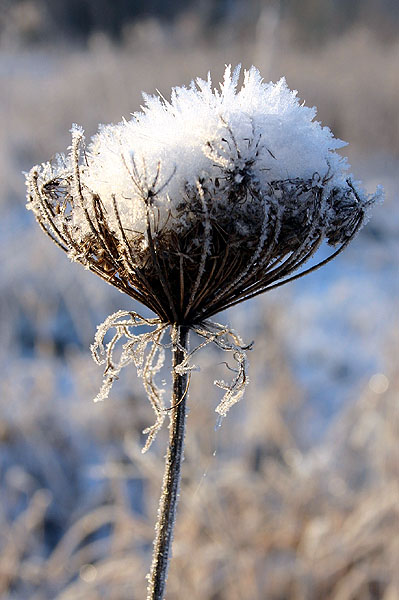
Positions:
{"x": 171, "y": 481}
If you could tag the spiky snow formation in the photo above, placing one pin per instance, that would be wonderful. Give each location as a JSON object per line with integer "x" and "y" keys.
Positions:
{"x": 204, "y": 201}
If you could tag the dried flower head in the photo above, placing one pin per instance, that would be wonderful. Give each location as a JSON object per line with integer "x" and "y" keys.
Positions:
{"x": 193, "y": 206}
{"x": 202, "y": 202}
{"x": 190, "y": 207}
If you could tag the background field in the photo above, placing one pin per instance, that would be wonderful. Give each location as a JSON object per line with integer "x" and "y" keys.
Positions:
{"x": 295, "y": 497}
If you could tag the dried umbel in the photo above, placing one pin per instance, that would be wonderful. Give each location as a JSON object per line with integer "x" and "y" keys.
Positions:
{"x": 191, "y": 240}
{"x": 203, "y": 202}
{"x": 191, "y": 207}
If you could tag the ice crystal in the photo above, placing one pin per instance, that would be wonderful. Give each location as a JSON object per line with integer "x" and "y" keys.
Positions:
{"x": 260, "y": 133}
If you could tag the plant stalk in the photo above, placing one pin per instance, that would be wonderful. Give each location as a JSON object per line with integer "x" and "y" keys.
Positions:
{"x": 171, "y": 481}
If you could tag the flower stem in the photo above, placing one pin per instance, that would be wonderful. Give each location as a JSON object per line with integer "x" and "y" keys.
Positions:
{"x": 171, "y": 481}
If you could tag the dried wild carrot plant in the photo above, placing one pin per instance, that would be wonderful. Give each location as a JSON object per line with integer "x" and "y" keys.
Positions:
{"x": 191, "y": 207}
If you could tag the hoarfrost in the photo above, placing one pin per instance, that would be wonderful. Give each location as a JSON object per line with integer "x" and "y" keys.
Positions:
{"x": 188, "y": 137}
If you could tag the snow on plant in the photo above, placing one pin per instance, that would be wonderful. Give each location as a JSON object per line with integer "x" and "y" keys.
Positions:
{"x": 192, "y": 206}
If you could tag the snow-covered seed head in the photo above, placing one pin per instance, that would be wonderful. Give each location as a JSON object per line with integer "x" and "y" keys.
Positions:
{"x": 202, "y": 202}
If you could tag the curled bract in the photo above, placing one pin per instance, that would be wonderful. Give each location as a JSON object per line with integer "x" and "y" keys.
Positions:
{"x": 147, "y": 351}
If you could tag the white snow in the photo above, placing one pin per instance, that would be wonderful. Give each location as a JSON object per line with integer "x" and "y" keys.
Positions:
{"x": 199, "y": 132}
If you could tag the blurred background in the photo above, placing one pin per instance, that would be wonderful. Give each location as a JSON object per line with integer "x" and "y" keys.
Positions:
{"x": 295, "y": 497}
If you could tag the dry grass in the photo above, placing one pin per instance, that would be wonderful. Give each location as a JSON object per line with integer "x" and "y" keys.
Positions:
{"x": 269, "y": 521}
